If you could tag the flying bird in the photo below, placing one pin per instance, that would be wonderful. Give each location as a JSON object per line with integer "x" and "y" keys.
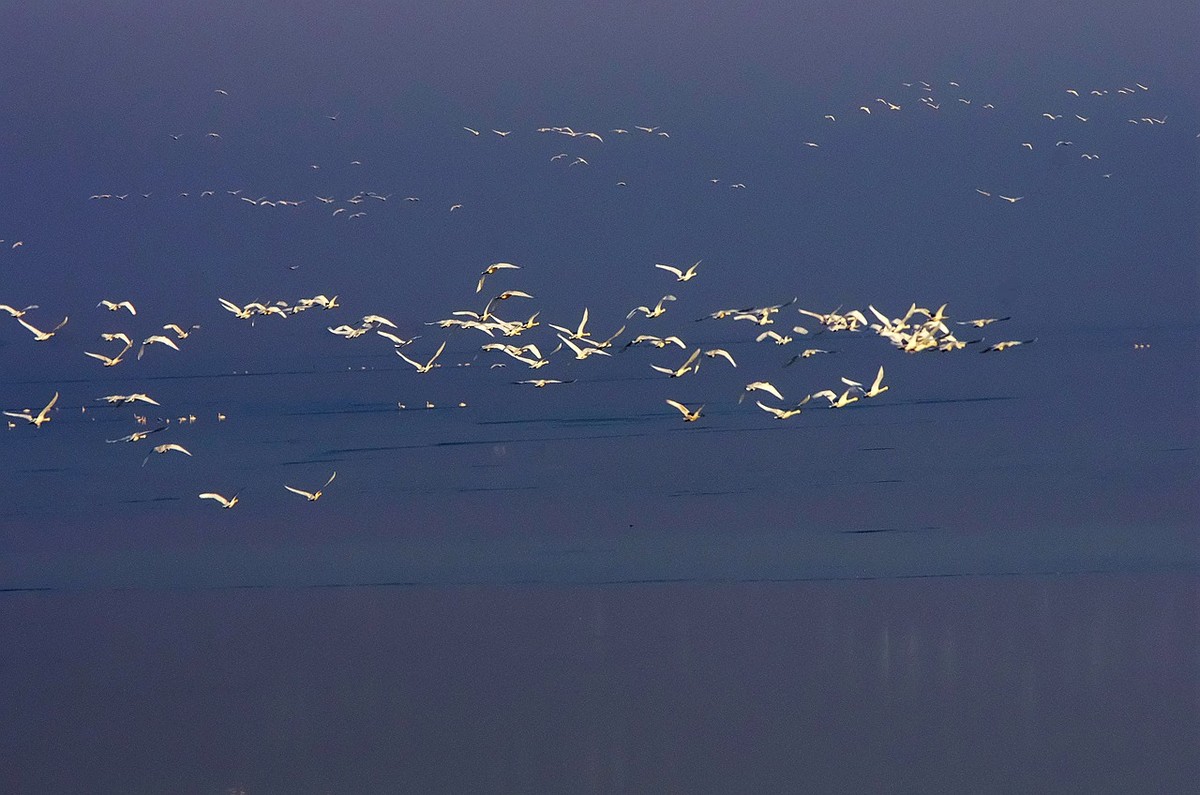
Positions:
{"x": 225, "y": 502}
{"x": 166, "y": 448}
{"x": 688, "y": 414}
{"x": 680, "y": 276}
{"x": 312, "y": 496}
{"x": 36, "y": 420}
{"x": 38, "y": 335}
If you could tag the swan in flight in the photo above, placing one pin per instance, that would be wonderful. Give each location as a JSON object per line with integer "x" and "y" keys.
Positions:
{"x": 582, "y": 353}
{"x": 680, "y": 276}
{"x": 156, "y": 339}
{"x": 36, "y": 420}
{"x": 312, "y": 496}
{"x": 683, "y": 370}
{"x": 424, "y": 368}
{"x": 16, "y": 312}
{"x": 877, "y": 387}
{"x": 715, "y": 352}
{"x": 688, "y": 414}
{"x": 490, "y": 269}
{"x": 780, "y": 414}
{"x": 657, "y": 342}
{"x": 983, "y": 321}
{"x": 399, "y": 342}
{"x": 541, "y": 383}
{"x": 225, "y": 502}
{"x": 837, "y": 401}
{"x": 773, "y": 335}
{"x": 180, "y": 332}
{"x": 109, "y": 361}
{"x": 1003, "y": 346}
{"x": 765, "y": 386}
{"x": 1012, "y": 199}
{"x": 113, "y": 306}
{"x": 136, "y": 436}
{"x": 658, "y": 309}
{"x": 39, "y": 335}
{"x": 579, "y": 333}
{"x": 166, "y": 448}
{"x": 137, "y": 396}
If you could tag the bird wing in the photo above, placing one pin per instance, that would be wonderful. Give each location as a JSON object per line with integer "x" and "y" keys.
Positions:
{"x": 682, "y": 408}
{"x": 678, "y": 273}
{"x": 209, "y": 495}
{"x": 301, "y": 492}
{"x": 771, "y": 409}
{"x": 722, "y": 352}
{"x": 878, "y": 380}
{"x": 331, "y": 477}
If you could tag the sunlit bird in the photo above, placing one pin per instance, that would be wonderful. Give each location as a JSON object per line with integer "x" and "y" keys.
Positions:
{"x": 166, "y": 448}
{"x": 312, "y": 496}
{"x": 225, "y": 502}
{"x": 36, "y": 420}
{"x": 39, "y": 335}
{"x": 688, "y": 414}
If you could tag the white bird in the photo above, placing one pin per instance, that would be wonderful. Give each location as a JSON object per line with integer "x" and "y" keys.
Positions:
{"x": 541, "y": 383}
{"x": 166, "y": 448}
{"x": 658, "y": 309}
{"x": 582, "y": 353}
{"x": 680, "y": 276}
{"x": 38, "y": 419}
{"x": 179, "y": 332}
{"x": 688, "y": 414}
{"x": 161, "y": 340}
{"x": 491, "y": 269}
{"x": 983, "y": 321}
{"x": 837, "y": 401}
{"x": 780, "y": 414}
{"x": 577, "y": 334}
{"x": 136, "y": 436}
{"x": 877, "y": 388}
{"x": 765, "y": 386}
{"x": 38, "y": 335}
{"x": 397, "y": 341}
{"x": 1003, "y": 346}
{"x": 312, "y": 496}
{"x": 423, "y": 368}
{"x": 225, "y": 502}
{"x": 684, "y": 369}
{"x": 715, "y": 352}
{"x": 473, "y": 132}
{"x": 109, "y": 361}
{"x": 137, "y": 396}
{"x": 1012, "y": 199}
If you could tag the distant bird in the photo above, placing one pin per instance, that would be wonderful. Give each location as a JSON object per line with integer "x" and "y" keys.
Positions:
{"x": 490, "y": 269}
{"x": 108, "y": 361}
{"x": 36, "y": 420}
{"x": 225, "y": 502}
{"x": 1012, "y": 199}
{"x": 684, "y": 369}
{"x": 658, "y": 309}
{"x": 136, "y": 436}
{"x": 165, "y": 448}
{"x": 423, "y": 368}
{"x": 1003, "y": 346}
{"x": 113, "y": 306}
{"x": 688, "y": 414}
{"x": 877, "y": 387}
{"x": 312, "y": 496}
{"x": 715, "y": 352}
{"x": 156, "y": 339}
{"x": 135, "y": 397}
{"x": 983, "y": 321}
{"x": 680, "y": 276}
{"x": 541, "y": 383}
{"x": 16, "y": 312}
{"x": 765, "y": 386}
{"x": 179, "y": 332}
{"x": 473, "y": 132}
{"x": 780, "y": 414}
{"x": 38, "y": 335}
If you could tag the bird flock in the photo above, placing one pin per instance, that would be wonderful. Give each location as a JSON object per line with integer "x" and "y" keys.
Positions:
{"x": 509, "y": 328}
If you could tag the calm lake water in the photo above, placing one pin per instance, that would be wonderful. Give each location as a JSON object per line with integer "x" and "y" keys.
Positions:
{"x": 1073, "y": 683}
